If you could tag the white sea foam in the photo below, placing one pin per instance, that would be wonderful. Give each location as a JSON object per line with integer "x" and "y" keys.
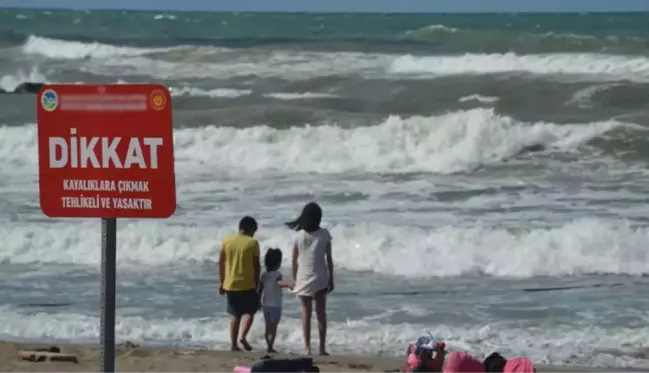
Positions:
{"x": 582, "y": 98}
{"x": 453, "y": 142}
{"x": 63, "y": 49}
{"x": 433, "y": 28}
{"x": 299, "y": 96}
{"x": 593, "y": 66}
{"x": 558, "y": 344}
{"x": 190, "y": 62}
{"x": 215, "y": 93}
{"x": 9, "y": 82}
{"x": 158, "y": 17}
{"x": 586, "y": 246}
{"x": 481, "y": 99}
{"x": 584, "y": 66}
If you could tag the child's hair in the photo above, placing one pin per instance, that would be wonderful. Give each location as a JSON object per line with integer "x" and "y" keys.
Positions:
{"x": 309, "y": 219}
{"x": 273, "y": 259}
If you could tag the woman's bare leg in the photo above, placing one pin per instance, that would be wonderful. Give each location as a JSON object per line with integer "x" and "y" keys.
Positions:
{"x": 321, "y": 315}
{"x": 307, "y": 309}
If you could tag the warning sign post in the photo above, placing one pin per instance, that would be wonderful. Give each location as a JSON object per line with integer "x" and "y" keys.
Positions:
{"x": 106, "y": 151}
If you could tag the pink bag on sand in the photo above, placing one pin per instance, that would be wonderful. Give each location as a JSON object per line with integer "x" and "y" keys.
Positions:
{"x": 462, "y": 362}
{"x": 241, "y": 369}
{"x": 519, "y": 365}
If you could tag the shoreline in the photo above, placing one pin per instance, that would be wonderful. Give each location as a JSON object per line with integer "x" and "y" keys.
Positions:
{"x": 131, "y": 357}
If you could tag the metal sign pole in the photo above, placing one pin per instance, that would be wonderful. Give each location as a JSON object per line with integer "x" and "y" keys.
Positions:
{"x": 108, "y": 284}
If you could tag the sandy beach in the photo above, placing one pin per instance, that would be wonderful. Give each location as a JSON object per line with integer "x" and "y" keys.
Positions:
{"x": 133, "y": 358}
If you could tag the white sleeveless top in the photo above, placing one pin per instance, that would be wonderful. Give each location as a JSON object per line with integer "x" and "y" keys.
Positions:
{"x": 312, "y": 274}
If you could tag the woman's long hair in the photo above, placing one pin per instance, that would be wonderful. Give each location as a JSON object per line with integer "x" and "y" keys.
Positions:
{"x": 309, "y": 219}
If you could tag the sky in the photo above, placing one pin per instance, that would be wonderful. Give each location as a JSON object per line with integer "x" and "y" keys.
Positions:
{"x": 414, "y": 6}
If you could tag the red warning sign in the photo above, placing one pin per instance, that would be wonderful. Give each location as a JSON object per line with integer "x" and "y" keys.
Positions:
{"x": 106, "y": 151}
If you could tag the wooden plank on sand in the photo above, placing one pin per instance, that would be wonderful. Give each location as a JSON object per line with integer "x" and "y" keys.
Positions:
{"x": 38, "y": 356}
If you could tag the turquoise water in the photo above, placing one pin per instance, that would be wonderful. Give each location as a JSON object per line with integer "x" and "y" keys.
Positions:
{"x": 460, "y": 33}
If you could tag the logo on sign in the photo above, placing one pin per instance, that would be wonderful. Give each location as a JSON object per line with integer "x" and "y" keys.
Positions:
{"x": 157, "y": 100}
{"x": 49, "y": 100}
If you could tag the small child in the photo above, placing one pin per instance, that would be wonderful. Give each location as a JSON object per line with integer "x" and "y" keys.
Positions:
{"x": 270, "y": 292}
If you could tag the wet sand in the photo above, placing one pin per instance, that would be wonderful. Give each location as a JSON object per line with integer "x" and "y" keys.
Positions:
{"x": 133, "y": 358}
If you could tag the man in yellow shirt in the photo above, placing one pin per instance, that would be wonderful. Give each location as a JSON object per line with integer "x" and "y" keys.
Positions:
{"x": 239, "y": 269}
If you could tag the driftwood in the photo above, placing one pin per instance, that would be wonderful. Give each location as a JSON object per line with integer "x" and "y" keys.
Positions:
{"x": 38, "y": 355}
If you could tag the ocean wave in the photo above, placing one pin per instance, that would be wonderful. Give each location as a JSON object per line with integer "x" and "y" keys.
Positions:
{"x": 298, "y": 66}
{"x": 498, "y": 38}
{"x": 575, "y": 248}
{"x": 187, "y": 62}
{"x": 234, "y": 93}
{"x": 436, "y": 37}
{"x": 9, "y": 82}
{"x": 454, "y": 142}
{"x": 64, "y": 49}
{"x": 600, "y": 66}
{"x": 299, "y": 95}
{"x": 481, "y": 99}
{"x": 214, "y": 93}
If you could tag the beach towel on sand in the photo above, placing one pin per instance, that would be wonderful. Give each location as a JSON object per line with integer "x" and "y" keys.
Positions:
{"x": 303, "y": 364}
{"x": 462, "y": 362}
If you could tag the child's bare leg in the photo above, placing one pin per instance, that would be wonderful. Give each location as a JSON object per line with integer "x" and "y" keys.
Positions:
{"x": 321, "y": 315}
{"x": 267, "y": 335}
{"x": 307, "y": 309}
{"x": 271, "y": 333}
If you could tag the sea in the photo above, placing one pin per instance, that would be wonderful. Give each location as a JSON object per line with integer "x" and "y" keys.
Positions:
{"x": 485, "y": 177}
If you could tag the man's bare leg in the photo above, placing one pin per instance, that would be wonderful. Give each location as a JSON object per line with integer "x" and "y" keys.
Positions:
{"x": 247, "y": 325}
{"x": 234, "y": 332}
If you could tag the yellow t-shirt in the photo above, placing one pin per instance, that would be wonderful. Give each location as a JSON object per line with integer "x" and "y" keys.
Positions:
{"x": 241, "y": 252}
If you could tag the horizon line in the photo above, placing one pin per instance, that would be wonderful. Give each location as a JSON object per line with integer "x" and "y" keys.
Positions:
{"x": 63, "y": 8}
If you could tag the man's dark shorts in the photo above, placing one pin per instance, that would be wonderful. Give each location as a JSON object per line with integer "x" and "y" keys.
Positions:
{"x": 245, "y": 302}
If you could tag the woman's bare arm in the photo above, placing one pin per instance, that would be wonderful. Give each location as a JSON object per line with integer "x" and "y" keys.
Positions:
{"x": 330, "y": 266}
{"x": 294, "y": 262}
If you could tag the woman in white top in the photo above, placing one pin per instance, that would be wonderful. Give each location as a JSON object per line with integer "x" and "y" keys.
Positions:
{"x": 313, "y": 271}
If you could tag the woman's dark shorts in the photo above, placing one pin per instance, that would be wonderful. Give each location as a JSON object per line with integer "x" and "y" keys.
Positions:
{"x": 245, "y": 302}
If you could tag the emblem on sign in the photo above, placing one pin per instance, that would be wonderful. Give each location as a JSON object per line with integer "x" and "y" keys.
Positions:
{"x": 49, "y": 100}
{"x": 157, "y": 100}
